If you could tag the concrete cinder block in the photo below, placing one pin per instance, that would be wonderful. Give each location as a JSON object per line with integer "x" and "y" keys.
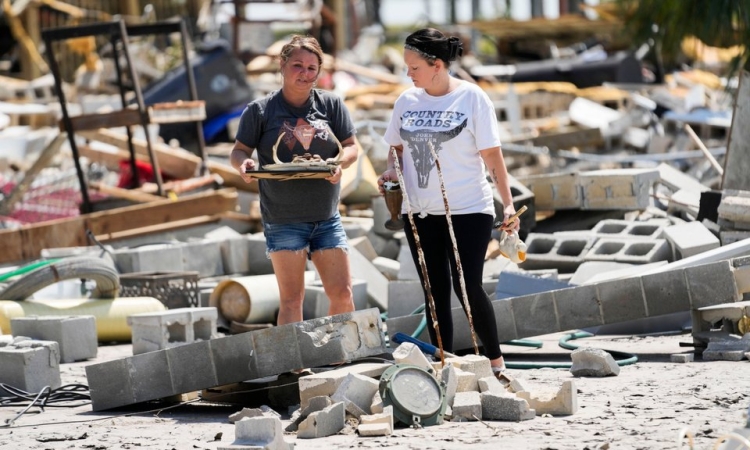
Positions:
{"x": 148, "y": 379}
{"x": 682, "y": 358}
{"x": 316, "y": 301}
{"x": 675, "y": 179}
{"x": 564, "y": 402}
{"x": 450, "y": 378}
{"x": 356, "y": 392}
{"x": 515, "y": 284}
{"x": 666, "y": 292}
{"x": 711, "y": 284}
{"x": 491, "y": 384}
{"x": 234, "y": 358}
{"x": 621, "y": 300}
{"x": 377, "y": 284}
{"x": 323, "y": 423}
{"x": 76, "y": 335}
{"x": 388, "y": 267}
{"x": 259, "y": 433}
{"x": 535, "y": 314}
{"x": 549, "y": 251}
{"x": 110, "y": 384}
{"x": 164, "y": 329}
{"x": 617, "y": 188}
{"x": 204, "y": 257}
{"x": 326, "y": 383}
{"x": 259, "y": 262}
{"x": 555, "y": 191}
{"x": 153, "y": 258}
{"x": 465, "y": 382}
{"x": 364, "y": 246}
{"x": 578, "y": 308}
{"x": 505, "y": 407}
{"x": 629, "y": 251}
{"x": 30, "y": 365}
{"x": 191, "y": 367}
{"x": 735, "y": 206}
{"x": 688, "y": 239}
{"x": 235, "y": 254}
{"x": 626, "y": 229}
{"x": 377, "y": 424}
{"x": 339, "y": 338}
{"x": 467, "y": 406}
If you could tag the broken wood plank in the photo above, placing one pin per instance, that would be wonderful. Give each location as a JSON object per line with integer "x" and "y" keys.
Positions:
{"x": 175, "y": 162}
{"x": 27, "y": 242}
{"x": 125, "y": 194}
{"x": 122, "y": 118}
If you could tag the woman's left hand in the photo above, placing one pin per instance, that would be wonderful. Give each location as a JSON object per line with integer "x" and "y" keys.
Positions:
{"x": 336, "y": 177}
{"x": 507, "y": 213}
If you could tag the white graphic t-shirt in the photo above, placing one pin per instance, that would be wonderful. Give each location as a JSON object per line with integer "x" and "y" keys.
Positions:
{"x": 456, "y": 125}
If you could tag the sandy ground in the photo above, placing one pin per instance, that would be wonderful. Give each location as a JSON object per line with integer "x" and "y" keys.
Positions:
{"x": 645, "y": 407}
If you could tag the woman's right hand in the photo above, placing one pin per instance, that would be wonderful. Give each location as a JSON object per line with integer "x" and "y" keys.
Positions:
{"x": 248, "y": 165}
{"x": 388, "y": 175}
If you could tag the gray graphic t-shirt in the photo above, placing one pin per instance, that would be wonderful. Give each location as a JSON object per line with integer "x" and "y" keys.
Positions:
{"x": 305, "y": 130}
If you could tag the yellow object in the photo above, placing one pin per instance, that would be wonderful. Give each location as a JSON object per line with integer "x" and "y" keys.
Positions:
{"x": 111, "y": 315}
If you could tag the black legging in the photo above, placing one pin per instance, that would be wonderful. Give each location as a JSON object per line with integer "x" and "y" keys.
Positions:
{"x": 473, "y": 233}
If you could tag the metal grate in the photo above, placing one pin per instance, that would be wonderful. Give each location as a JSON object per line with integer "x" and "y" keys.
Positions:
{"x": 173, "y": 289}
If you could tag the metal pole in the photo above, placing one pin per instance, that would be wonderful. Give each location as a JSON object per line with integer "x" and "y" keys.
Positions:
{"x": 193, "y": 96}
{"x": 128, "y": 130}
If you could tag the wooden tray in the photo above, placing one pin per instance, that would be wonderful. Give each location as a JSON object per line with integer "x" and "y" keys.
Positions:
{"x": 293, "y": 174}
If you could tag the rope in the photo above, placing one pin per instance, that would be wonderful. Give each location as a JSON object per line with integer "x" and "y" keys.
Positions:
{"x": 459, "y": 268}
{"x": 420, "y": 256}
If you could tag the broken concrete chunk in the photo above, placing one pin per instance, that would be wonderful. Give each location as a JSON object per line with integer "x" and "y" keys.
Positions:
{"x": 491, "y": 384}
{"x": 505, "y": 407}
{"x": 593, "y": 362}
{"x": 561, "y": 403}
{"x": 466, "y": 381}
{"x": 409, "y": 353}
{"x": 356, "y": 392}
{"x": 467, "y": 406}
{"x": 377, "y": 424}
{"x": 450, "y": 378}
{"x": 323, "y": 423}
{"x": 245, "y": 413}
{"x": 259, "y": 432}
{"x": 682, "y": 358}
{"x": 326, "y": 383}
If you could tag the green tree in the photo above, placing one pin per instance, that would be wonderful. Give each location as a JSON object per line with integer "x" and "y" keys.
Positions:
{"x": 718, "y": 23}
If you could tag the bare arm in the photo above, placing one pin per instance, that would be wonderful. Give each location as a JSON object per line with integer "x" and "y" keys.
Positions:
{"x": 349, "y": 154}
{"x": 493, "y": 159}
{"x": 240, "y": 159}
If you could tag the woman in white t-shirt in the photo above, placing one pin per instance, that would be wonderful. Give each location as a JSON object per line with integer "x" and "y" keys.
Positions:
{"x": 456, "y": 120}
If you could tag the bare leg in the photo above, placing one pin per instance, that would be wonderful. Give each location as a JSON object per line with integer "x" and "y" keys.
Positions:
{"x": 289, "y": 267}
{"x": 333, "y": 267}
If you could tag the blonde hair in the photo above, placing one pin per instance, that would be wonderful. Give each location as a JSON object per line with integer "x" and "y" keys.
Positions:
{"x": 308, "y": 43}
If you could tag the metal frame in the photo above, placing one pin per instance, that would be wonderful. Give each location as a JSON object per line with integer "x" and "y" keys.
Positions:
{"x": 118, "y": 32}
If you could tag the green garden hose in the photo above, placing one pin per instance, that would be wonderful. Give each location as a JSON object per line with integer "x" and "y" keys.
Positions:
{"x": 27, "y": 268}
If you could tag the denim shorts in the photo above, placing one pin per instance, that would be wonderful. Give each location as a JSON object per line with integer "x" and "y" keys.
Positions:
{"x": 310, "y": 236}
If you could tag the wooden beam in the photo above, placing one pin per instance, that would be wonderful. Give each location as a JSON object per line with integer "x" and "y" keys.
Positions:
{"x": 123, "y": 118}
{"x": 27, "y": 242}
{"x": 176, "y": 162}
{"x": 126, "y": 194}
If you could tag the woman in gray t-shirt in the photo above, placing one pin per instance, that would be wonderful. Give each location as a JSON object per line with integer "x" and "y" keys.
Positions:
{"x": 300, "y": 217}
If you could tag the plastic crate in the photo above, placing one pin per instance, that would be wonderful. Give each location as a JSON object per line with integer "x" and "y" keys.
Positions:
{"x": 174, "y": 289}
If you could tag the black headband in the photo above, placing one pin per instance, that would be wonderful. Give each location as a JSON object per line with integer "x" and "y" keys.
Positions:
{"x": 448, "y": 49}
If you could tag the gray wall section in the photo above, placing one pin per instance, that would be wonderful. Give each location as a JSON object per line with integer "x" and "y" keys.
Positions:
{"x": 232, "y": 359}
{"x": 609, "y": 302}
